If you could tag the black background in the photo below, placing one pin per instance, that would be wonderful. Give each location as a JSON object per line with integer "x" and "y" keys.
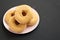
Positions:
{"x": 49, "y": 26}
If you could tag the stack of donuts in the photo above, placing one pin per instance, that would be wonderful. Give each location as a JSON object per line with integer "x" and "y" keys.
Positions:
{"x": 20, "y": 18}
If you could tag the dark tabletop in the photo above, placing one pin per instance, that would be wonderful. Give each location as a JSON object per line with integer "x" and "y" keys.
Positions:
{"x": 49, "y": 26}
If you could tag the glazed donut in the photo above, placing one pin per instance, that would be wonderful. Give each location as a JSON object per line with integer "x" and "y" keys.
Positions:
{"x": 15, "y": 26}
{"x": 23, "y": 14}
{"x": 9, "y": 14}
{"x": 34, "y": 18}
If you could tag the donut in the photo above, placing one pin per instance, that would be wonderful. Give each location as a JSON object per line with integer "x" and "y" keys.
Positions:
{"x": 15, "y": 26}
{"x": 23, "y": 14}
{"x": 9, "y": 14}
{"x": 34, "y": 18}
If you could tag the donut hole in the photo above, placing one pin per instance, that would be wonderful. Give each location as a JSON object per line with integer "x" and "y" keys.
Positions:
{"x": 24, "y": 13}
{"x": 17, "y": 23}
{"x": 12, "y": 14}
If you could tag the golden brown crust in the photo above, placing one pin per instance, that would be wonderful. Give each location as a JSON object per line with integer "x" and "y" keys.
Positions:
{"x": 26, "y": 16}
{"x": 16, "y": 27}
{"x": 9, "y": 14}
{"x": 33, "y": 20}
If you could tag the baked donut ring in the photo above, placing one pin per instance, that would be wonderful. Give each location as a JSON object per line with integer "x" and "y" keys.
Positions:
{"x": 9, "y": 14}
{"x": 15, "y": 26}
{"x": 34, "y": 18}
{"x": 23, "y": 14}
